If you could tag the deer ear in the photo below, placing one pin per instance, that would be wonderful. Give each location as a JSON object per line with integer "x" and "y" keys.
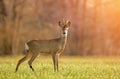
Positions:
{"x": 68, "y": 23}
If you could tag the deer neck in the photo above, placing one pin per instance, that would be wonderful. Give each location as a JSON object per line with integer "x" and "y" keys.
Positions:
{"x": 63, "y": 40}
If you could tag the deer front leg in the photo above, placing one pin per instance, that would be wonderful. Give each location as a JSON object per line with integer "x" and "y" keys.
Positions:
{"x": 55, "y": 61}
{"x": 57, "y": 57}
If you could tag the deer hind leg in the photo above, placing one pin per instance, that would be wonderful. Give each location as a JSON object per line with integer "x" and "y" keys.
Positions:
{"x": 31, "y": 60}
{"x": 22, "y": 60}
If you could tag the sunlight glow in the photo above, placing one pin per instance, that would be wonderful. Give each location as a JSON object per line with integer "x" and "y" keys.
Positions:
{"x": 104, "y": 1}
{"x": 90, "y": 3}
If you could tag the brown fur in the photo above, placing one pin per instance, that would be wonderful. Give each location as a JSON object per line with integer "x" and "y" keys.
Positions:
{"x": 52, "y": 46}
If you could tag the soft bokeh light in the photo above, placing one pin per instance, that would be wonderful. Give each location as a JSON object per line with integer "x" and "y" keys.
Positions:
{"x": 95, "y": 28}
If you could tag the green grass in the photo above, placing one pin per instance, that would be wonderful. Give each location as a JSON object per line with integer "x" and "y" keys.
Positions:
{"x": 69, "y": 68}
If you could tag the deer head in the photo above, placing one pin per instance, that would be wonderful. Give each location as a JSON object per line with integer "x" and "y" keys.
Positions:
{"x": 64, "y": 24}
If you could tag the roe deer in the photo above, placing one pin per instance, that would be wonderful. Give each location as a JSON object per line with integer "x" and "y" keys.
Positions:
{"x": 52, "y": 46}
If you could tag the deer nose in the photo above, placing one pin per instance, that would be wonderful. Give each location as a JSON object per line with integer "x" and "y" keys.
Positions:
{"x": 64, "y": 32}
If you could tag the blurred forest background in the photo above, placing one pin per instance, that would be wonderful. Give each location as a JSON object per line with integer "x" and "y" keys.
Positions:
{"x": 95, "y": 28}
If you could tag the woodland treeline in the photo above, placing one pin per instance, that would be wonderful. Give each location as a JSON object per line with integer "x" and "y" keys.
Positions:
{"x": 95, "y": 28}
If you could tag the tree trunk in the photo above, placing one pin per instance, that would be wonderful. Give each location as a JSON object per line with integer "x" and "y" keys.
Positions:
{"x": 6, "y": 40}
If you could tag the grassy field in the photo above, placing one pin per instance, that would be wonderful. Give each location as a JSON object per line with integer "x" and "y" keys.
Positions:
{"x": 69, "y": 68}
